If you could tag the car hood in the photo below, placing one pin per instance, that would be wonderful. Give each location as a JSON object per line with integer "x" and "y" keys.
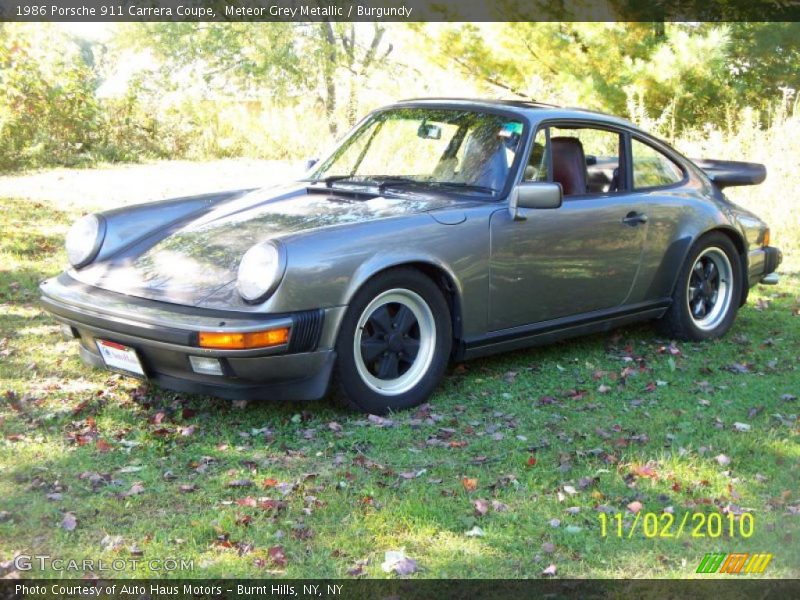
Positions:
{"x": 187, "y": 261}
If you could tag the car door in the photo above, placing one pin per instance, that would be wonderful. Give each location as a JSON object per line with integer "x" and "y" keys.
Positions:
{"x": 581, "y": 257}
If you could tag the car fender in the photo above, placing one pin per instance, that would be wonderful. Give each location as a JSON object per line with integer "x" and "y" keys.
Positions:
{"x": 666, "y": 277}
{"x": 386, "y": 260}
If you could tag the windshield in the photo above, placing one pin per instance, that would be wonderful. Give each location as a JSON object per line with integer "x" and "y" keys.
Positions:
{"x": 463, "y": 149}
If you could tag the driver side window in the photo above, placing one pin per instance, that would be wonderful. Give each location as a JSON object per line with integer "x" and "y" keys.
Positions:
{"x": 583, "y": 159}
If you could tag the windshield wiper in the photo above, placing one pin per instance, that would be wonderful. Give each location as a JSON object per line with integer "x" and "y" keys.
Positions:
{"x": 463, "y": 185}
{"x": 380, "y": 182}
{"x": 329, "y": 181}
{"x": 396, "y": 181}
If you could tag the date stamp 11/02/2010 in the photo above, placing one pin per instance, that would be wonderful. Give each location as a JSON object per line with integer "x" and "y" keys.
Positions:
{"x": 667, "y": 525}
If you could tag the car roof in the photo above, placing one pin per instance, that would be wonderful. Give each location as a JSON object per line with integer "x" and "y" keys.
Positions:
{"x": 534, "y": 110}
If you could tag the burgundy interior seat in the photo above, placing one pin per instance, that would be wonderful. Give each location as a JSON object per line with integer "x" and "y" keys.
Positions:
{"x": 569, "y": 164}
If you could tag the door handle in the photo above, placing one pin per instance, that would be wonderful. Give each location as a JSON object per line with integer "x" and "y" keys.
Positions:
{"x": 633, "y": 218}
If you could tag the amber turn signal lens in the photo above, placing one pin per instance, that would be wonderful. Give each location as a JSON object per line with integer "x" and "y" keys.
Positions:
{"x": 766, "y": 238}
{"x": 244, "y": 341}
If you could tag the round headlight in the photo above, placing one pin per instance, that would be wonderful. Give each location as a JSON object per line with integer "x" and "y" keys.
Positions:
{"x": 84, "y": 240}
{"x": 260, "y": 271}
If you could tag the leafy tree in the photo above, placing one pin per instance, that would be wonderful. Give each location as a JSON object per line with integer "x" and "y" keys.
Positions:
{"x": 326, "y": 61}
{"x": 682, "y": 73}
{"x": 48, "y": 109}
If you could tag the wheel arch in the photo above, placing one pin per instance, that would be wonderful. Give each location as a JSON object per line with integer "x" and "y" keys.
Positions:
{"x": 741, "y": 248}
{"x": 440, "y": 274}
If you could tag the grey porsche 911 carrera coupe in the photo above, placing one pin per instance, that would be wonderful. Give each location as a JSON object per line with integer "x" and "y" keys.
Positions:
{"x": 437, "y": 230}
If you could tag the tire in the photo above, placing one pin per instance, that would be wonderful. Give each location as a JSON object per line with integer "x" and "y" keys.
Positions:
{"x": 394, "y": 343}
{"x": 708, "y": 291}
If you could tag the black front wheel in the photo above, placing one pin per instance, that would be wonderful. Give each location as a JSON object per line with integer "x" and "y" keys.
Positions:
{"x": 394, "y": 342}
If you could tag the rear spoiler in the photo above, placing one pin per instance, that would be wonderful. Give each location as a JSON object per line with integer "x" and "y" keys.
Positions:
{"x": 727, "y": 173}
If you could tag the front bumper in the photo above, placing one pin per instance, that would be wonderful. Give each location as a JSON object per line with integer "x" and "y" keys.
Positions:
{"x": 165, "y": 336}
{"x": 762, "y": 263}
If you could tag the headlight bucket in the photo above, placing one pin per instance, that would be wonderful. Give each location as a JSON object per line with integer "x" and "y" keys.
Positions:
{"x": 260, "y": 271}
{"x": 84, "y": 240}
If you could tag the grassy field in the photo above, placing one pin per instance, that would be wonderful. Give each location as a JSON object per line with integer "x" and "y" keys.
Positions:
{"x": 507, "y": 473}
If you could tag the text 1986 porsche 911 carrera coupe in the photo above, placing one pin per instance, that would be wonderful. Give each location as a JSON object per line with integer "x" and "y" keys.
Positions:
{"x": 437, "y": 230}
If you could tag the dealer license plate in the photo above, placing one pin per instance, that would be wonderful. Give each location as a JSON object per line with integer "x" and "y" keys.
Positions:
{"x": 117, "y": 356}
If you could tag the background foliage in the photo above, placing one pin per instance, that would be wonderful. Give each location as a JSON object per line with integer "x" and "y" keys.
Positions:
{"x": 283, "y": 90}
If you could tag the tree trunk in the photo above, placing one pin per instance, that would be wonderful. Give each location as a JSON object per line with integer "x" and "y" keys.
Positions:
{"x": 328, "y": 74}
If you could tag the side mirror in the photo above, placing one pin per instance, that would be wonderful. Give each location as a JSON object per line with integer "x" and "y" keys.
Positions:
{"x": 311, "y": 162}
{"x": 534, "y": 195}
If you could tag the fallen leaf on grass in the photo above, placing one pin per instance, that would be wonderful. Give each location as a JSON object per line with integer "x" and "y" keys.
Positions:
{"x": 470, "y": 483}
{"x": 644, "y": 471}
{"x": 481, "y": 507}
{"x": 188, "y": 488}
{"x": 277, "y": 556}
{"x": 102, "y": 446}
{"x": 413, "y": 474}
{"x": 111, "y": 543}
{"x": 69, "y": 523}
{"x": 634, "y": 506}
{"x": 549, "y": 571}
{"x": 723, "y": 460}
{"x": 475, "y": 532}
{"x": 397, "y": 561}
{"x": 136, "y": 489}
{"x": 380, "y": 421}
{"x": 741, "y": 427}
{"x": 498, "y": 506}
{"x": 548, "y": 547}
{"x": 356, "y": 571}
{"x": 130, "y": 469}
{"x": 244, "y": 520}
{"x": 240, "y": 483}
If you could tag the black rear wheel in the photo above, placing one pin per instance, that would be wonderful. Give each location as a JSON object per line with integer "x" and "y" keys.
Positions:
{"x": 708, "y": 290}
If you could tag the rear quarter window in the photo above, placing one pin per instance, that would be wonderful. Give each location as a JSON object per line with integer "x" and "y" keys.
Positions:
{"x": 651, "y": 168}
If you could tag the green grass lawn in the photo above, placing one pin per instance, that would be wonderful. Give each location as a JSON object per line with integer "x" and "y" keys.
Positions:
{"x": 525, "y": 451}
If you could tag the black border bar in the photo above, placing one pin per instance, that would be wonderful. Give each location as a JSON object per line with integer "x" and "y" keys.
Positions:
{"x": 732, "y": 588}
{"x": 399, "y": 10}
